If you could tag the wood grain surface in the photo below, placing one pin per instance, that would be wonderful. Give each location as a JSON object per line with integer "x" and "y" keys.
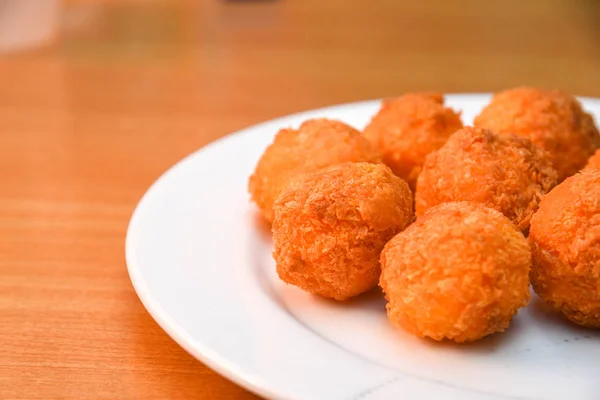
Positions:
{"x": 126, "y": 88}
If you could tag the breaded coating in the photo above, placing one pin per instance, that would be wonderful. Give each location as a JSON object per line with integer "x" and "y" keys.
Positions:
{"x": 318, "y": 143}
{"x": 551, "y": 119}
{"x": 503, "y": 171}
{"x": 408, "y": 128}
{"x": 594, "y": 161}
{"x": 331, "y": 225}
{"x": 460, "y": 272}
{"x": 565, "y": 242}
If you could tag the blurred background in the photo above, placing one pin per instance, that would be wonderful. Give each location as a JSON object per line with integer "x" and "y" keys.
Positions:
{"x": 98, "y": 97}
{"x": 248, "y": 60}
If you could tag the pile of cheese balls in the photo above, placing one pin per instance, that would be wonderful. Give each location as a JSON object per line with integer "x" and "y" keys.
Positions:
{"x": 453, "y": 222}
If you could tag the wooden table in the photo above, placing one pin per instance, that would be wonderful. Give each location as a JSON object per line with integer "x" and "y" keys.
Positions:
{"x": 129, "y": 87}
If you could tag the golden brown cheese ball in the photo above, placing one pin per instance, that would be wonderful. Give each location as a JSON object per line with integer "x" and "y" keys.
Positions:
{"x": 408, "y": 128}
{"x": 318, "y": 143}
{"x": 331, "y": 225}
{"x": 460, "y": 272}
{"x": 594, "y": 161}
{"x": 565, "y": 242}
{"x": 505, "y": 172}
{"x": 551, "y": 119}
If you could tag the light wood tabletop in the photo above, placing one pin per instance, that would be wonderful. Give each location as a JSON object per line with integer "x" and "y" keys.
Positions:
{"x": 126, "y": 88}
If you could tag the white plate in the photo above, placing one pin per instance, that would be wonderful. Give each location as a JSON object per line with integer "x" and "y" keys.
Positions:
{"x": 202, "y": 266}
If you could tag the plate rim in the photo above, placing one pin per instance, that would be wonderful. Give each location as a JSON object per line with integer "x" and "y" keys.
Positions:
{"x": 201, "y": 352}
{"x": 174, "y": 330}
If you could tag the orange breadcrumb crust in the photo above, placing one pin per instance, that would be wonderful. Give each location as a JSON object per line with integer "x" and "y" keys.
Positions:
{"x": 594, "y": 161}
{"x": 551, "y": 119}
{"x": 408, "y": 128}
{"x": 504, "y": 172}
{"x": 318, "y": 143}
{"x": 565, "y": 241}
{"x": 330, "y": 226}
{"x": 460, "y": 272}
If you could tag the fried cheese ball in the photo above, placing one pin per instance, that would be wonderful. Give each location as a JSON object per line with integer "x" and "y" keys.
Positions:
{"x": 331, "y": 225}
{"x": 565, "y": 243}
{"x": 408, "y": 128}
{"x": 318, "y": 143}
{"x": 460, "y": 272}
{"x": 503, "y": 171}
{"x": 594, "y": 161}
{"x": 551, "y": 119}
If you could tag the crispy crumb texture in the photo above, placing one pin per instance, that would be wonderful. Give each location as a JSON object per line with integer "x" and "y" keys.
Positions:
{"x": 565, "y": 241}
{"x": 460, "y": 272}
{"x": 330, "y": 226}
{"x": 318, "y": 143}
{"x": 551, "y": 119}
{"x": 408, "y": 128}
{"x": 503, "y": 171}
